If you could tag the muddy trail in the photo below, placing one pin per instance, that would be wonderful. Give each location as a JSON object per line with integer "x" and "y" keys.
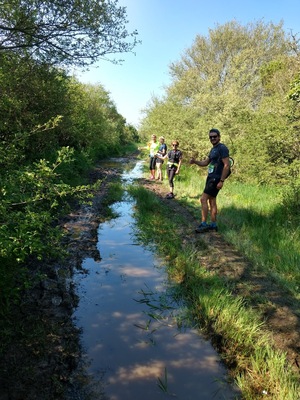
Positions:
{"x": 45, "y": 340}
{"x": 280, "y": 313}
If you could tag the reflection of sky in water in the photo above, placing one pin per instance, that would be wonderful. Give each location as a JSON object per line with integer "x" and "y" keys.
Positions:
{"x": 128, "y": 331}
{"x": 136, "y": 172}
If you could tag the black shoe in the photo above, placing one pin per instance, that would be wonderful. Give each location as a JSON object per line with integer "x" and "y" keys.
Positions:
{"x": 203, "y": 227}
{"x": 213, "y": 227}
{"x": 170, "y": 196}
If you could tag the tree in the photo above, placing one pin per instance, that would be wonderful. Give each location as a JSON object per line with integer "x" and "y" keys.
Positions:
{"x": 51, "y": 126}
{"x": 219, "y": 74}
{"x": 236, "y": 79}
{"x": 69, "y": 32}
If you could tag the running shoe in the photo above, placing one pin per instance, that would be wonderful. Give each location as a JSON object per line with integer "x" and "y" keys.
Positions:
{"x": 170, "y": 196}
{"x": 213, "y": 226}
{"x": 203, "y": 227}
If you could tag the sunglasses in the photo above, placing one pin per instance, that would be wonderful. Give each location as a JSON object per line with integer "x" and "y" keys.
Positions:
{"x": 213, "y": 137}
{"x": 175, "y": 145}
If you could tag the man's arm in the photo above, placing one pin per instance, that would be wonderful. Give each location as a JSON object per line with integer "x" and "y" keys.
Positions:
{"x": 224, "y": 172}
{"x": 226, "y": 168}
{"x": 202, "y": 163}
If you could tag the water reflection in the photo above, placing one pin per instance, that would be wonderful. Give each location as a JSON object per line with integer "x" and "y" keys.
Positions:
{"x": 131, "y": 328}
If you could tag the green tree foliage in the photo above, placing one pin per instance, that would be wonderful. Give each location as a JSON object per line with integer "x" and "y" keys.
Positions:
{"x": 32, "y": 197}
{"x": 42, "y": 109}
{"x": 33, "y": 94}
{"x": 51, "y": 126}
{"x": 69, "y": 32}
{"x": 33, "y": 188}
{"x": 238, "y": 80}
{"x": 294, "y": 92}
{"x": 40, "y": 155}
{"x": 96, "y": 126}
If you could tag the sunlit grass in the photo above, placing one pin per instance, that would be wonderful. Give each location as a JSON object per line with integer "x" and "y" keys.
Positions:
{"x": 253, "y": 219}
{"x": 236, "y": 329}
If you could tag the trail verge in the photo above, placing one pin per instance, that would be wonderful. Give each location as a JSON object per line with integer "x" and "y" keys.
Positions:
{"x": 281, "y": 316}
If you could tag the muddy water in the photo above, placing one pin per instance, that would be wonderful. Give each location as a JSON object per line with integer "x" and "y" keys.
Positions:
{"x": 133, "y": 333}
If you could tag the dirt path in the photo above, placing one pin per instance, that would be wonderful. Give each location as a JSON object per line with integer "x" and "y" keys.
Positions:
{"x": 281, "y": 315}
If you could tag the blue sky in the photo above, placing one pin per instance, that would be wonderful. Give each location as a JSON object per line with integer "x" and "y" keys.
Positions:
{"x": 167, "y": 28}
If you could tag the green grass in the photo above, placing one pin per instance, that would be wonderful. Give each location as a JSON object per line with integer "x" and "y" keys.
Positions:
{"x": 254, "y": 219}
{"x": 246, "y": 219}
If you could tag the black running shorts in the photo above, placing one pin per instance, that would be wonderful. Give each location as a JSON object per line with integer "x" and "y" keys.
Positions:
{"x": 211, "y": 186}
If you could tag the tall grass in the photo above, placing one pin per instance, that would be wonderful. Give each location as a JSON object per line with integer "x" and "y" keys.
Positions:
{"x": 254, "y": 219}
{"x": 235, "y": 328}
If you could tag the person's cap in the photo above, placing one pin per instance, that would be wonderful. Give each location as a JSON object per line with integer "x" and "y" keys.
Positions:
{"x": 215, "y": 130}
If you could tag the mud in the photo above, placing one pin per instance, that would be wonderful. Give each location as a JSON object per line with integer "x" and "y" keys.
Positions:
{"x": 43, "y": 358}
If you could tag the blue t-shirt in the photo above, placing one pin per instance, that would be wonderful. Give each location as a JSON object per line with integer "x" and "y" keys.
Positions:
{"x": 216, "y": 165}
{"x": 162, "y": 147}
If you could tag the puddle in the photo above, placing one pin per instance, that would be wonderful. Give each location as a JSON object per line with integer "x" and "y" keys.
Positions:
{"x": 134, "y": 342}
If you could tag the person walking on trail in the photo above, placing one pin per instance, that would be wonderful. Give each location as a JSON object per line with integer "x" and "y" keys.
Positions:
{"x": 218, "y": 170}
{"x": 153, "y": 149}
{"x": 174, "y": 157}
{"x": 162, "y": 150}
